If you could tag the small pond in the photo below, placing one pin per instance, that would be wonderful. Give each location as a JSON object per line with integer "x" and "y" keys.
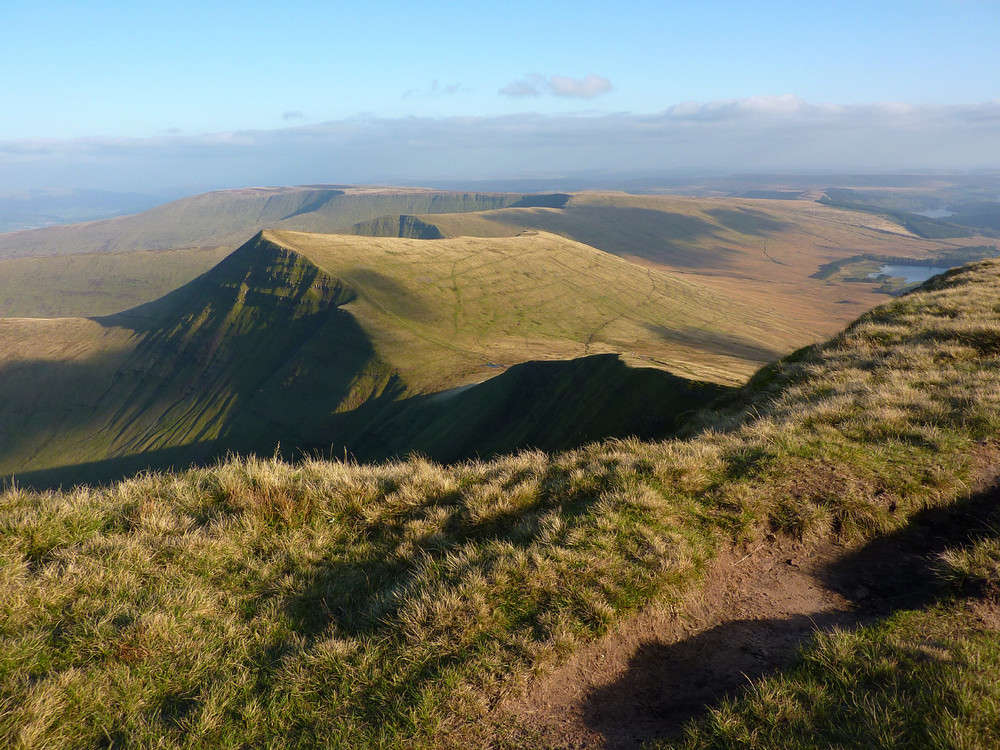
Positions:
{"x": 911, "y": 274}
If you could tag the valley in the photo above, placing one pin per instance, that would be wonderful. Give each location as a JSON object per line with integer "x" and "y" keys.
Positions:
{"x": 408, "y": 467}
{"x": 311, "y": 343}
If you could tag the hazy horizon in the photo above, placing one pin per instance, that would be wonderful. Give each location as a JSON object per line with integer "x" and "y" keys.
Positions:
{"x": 220, "y": 94}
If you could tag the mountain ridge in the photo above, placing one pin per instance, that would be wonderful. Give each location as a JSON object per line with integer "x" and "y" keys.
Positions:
{"x": 294, "y": 341}
{"x": 228, "y": 217}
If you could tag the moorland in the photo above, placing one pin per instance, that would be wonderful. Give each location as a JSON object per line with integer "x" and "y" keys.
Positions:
{"x": 566, "y": 425}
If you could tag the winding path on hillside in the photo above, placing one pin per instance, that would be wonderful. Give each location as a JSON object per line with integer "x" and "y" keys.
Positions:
{"x": 755, "y": 608}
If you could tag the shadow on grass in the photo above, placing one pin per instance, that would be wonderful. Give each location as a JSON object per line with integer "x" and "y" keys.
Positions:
{"x": 548, "y": 406}
{"x": 97, "y": 473}
{"x": 669, "y": 685}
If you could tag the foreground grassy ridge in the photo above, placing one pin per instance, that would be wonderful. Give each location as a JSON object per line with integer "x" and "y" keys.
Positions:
{"x": 324, "y": 604}
{"x": 263, "y": 605}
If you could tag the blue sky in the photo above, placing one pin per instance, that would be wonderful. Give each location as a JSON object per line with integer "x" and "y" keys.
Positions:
{"x": 91, "y": 91}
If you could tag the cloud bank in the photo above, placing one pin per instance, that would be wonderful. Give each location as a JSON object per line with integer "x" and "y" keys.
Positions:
{"x": 756, "y": 134}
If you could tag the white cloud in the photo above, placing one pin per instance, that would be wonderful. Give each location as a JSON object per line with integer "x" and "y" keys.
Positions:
{"x": 292, "y": 115}
{"x": 532, "y": 85}
{"x": 584, "y": 88}
{"x": 536, "y": 84}
{"x": 761, "y": 133}
{"x": 728, "y": 109}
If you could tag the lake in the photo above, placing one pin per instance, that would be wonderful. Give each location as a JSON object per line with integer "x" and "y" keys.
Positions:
{"x": 912, "y": 274}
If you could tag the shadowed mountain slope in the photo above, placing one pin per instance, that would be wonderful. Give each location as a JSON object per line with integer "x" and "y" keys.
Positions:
{"x": 296, "y": 340}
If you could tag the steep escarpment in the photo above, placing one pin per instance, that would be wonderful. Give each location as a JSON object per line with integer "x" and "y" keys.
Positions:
{"x": 263, "y": 327}
{"x": 403, "y": 225}
{"x": 302, "y": 344}
{"x": 214, "y": 346}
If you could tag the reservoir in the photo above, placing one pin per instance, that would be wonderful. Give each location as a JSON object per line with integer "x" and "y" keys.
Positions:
{"x": 911, "y": 274}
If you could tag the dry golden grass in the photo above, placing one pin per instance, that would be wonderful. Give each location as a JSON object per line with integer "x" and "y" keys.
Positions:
{"x": 257, "y": 603}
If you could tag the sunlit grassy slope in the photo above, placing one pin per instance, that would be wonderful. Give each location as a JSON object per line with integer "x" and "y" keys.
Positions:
{"x": 481, "y": 302}
{"x": 328, "y": 604}
{"x": 336, "y": 343}
{"x": 765, "y": 253}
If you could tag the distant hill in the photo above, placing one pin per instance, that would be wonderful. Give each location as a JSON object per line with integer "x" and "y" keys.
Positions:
{"x": 332, "y": 342}
{"x": 771, "y": 255}
{"x": 32, "y": 209}
{"x": 89, "y": 284}
{"x": 762, "y": 253}
{"x": 229, "y": 217}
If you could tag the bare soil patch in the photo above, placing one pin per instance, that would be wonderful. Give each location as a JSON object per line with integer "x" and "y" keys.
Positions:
{"x": 666, "y": 665}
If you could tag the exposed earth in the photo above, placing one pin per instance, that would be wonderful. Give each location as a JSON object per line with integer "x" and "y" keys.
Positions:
{"x": 756, "y": 608}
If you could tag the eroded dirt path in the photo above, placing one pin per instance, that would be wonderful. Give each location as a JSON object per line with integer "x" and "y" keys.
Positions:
{"x": 666, "y": 666}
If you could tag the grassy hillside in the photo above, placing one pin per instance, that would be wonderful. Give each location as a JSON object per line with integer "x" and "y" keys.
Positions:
{"x": 227, "y": 217}
{"x": 91, "y": 284}
{"x": 258, "y": 603}
{"x": 482, "y": 302}
{"x": 297, "y": 341}
{"x": 758, "y": 252}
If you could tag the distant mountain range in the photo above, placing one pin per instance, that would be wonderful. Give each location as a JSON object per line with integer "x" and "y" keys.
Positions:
{"x": 453, "y": 324}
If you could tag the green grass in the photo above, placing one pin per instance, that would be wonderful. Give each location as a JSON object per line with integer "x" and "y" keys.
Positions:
{"x": 921, "y": 679}
{"x": 329, "y": 604}
{"x": 297, "y": 341}
{"x": 324, "y": 601}
{"x": 79, "y": 285}
{"x": 447, "y": 311}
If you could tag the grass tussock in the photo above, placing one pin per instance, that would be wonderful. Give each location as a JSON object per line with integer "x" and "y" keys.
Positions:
{"x": 261, "y": 604}
{"x": 920, "y": 679}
